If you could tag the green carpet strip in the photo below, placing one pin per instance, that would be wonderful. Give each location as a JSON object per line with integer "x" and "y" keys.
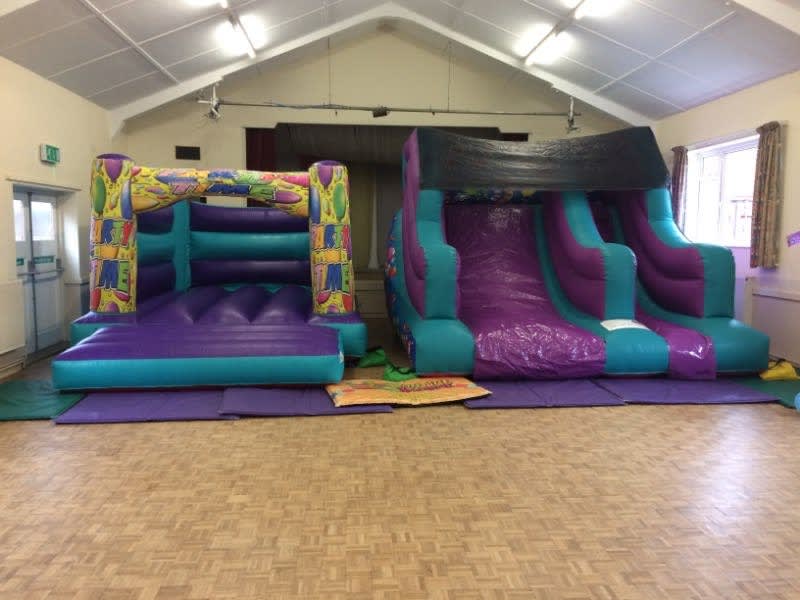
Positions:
{"x": 23, "y": 400}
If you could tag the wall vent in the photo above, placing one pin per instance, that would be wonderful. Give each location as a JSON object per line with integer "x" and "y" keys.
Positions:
{"x": 187, "y": 152}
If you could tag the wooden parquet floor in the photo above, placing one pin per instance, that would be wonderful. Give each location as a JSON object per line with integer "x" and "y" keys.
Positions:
{"x": 663, "y": 502}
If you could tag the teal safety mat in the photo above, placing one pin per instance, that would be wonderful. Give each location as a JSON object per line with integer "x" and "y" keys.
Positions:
{"x": 24, "y": 400}
{"x": 785, "y": 390}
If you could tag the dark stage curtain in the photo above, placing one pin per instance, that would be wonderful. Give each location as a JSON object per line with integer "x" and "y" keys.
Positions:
{"x": 259, "y": 152}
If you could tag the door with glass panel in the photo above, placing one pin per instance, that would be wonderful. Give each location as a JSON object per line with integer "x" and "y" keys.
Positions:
{"x": 39, "y": 267}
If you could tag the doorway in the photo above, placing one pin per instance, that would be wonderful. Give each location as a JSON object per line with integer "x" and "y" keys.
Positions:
{"x": 36, "y": 232}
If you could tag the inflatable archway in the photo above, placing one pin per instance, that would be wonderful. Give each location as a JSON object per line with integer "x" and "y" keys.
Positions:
{"x": 120, "y": 190}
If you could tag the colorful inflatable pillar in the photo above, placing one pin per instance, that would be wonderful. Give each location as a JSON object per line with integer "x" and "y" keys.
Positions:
{"x": 112, "y": 236}
{"x": 331, "y": 253}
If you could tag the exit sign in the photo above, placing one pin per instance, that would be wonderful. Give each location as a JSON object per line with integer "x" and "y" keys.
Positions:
{"x": 49, "y": 154}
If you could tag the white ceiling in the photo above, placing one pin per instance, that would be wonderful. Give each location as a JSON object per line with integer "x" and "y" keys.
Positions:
{"x": 650, "y": 59}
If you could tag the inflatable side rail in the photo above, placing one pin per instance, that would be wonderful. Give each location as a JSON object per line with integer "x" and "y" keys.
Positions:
{"x": 687, "y": 278}
{"x": 597, "y": 277}
{"x": 120, "y": 190}
{"x": 434, "y": 346}
{"x": 431, "y": 265}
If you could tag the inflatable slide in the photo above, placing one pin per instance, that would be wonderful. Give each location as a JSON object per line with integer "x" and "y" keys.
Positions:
{"x": 497, "y": 266}
{"x": 187, "y": 294}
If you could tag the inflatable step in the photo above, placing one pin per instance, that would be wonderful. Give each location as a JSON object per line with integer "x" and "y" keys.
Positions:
{"x": 151, "y": 356}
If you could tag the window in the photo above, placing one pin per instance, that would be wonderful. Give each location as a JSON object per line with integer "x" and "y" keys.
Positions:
{"x": 43, "y": 221}
{"x": 19, "y": 222}
{"x": 719, "y": 192}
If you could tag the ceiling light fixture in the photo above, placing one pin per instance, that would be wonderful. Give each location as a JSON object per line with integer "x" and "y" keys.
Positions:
{"x": 238, "y": 36}
{"x": 203, "y": 3}
{"x": 242, "y": 34}
{"x": 553, "y": 46}
{"x": 531, "y": 38}
{"x": 255, "y": 30}
{"x": 543, "y": 44}
{"x": 594, "y": 8}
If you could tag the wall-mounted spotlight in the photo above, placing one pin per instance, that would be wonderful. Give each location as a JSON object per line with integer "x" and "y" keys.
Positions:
{"x": 214, "y": 104}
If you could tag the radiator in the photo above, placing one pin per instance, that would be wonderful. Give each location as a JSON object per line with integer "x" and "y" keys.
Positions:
{"x": 12, "y": 309}
{"x": 774, "y": 311}
{"x": 742, "y": 294}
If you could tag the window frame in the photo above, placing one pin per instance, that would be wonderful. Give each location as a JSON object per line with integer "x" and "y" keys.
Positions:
{"x": 695, "y": 157}
{"x": 51, "y": 235}
{"x": 24, "y": 231}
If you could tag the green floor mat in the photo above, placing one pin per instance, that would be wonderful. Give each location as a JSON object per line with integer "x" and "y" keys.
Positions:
{"x": 25, "y": 400}
{"x": 785, "y": 390}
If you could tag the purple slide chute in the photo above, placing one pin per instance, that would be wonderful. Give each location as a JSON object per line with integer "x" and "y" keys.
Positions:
{"x": 691, "y": 354}
{"x": 504, "y": 302}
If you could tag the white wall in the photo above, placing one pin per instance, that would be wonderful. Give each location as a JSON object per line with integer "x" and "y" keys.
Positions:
{"x": 378, "y": 68}
{"x": 36, "y": 111}
{"x": 774, "y": 100}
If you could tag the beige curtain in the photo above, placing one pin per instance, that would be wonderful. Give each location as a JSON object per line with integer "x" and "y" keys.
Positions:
{"x": 680, "y": 164}
{"x": 362, "y": 188}
{"x": 766, "y": 198}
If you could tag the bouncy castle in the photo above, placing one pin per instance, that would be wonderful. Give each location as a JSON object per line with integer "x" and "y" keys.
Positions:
{"x": 188, "y": 294}
{"x": 556, "y": 259}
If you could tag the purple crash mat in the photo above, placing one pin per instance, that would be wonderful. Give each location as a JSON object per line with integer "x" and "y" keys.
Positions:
{"x": 543, "y": 394}
{"x": 672, "y": 391}
{"x": 288, "y": 402}
{"x": 135, "y": 407}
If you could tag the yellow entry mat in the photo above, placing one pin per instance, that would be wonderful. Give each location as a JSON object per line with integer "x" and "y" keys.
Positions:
{"x": 413, "y": 392}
